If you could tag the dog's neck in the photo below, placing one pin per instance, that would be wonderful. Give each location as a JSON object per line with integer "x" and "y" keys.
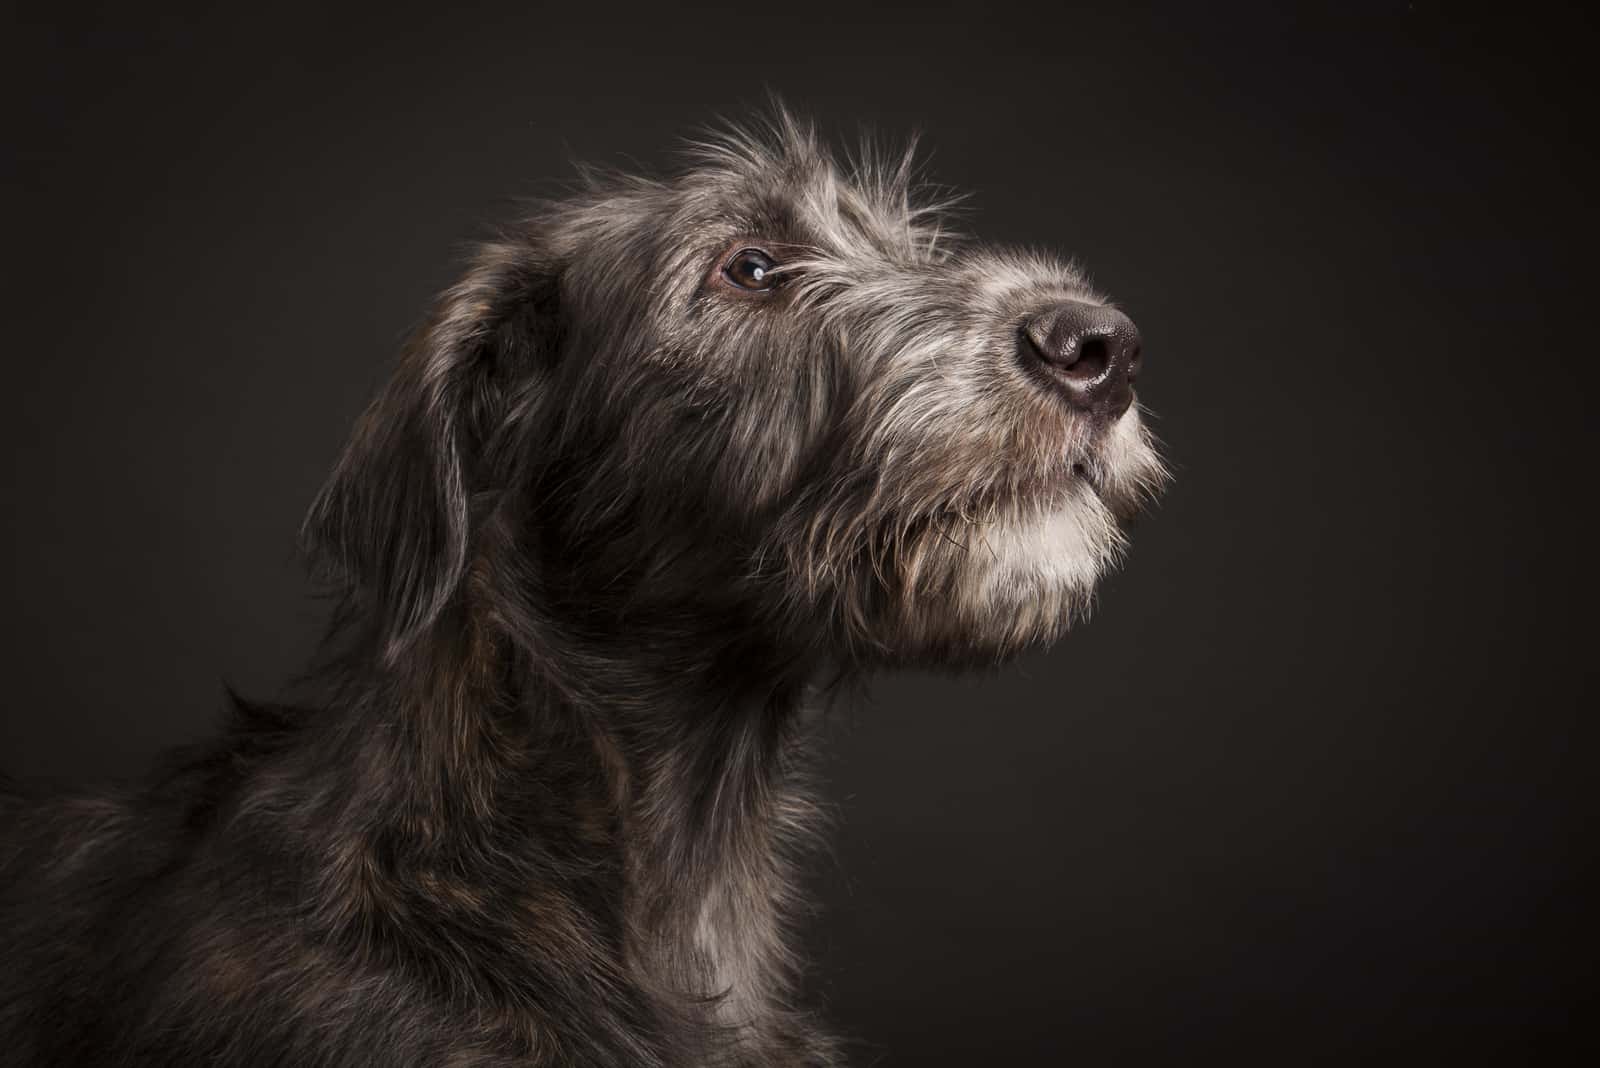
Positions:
{"x": 681, "y": 796}
{"x": 714, "y": 805}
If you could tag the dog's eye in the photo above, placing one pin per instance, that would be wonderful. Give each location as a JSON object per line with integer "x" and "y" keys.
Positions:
{"x": 750, "y": 268}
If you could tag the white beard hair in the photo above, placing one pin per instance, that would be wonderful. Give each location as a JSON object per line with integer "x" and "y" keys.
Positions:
{"x": 1034, "y": 574}
{"x": 1027, "y": 577}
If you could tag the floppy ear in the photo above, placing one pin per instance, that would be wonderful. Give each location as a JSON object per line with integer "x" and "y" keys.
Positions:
{"x": 394, "y": 520}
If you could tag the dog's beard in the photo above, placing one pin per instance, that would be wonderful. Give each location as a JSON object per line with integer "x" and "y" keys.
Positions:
{"x": 985, "y": 588}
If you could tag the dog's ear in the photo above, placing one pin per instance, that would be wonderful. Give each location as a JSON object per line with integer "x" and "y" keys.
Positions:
{"x": 393, "y": 523}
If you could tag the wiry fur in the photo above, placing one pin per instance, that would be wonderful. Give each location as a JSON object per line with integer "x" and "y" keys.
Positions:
{"x": 601, "y": 540}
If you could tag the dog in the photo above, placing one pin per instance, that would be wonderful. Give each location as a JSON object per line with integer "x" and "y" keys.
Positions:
{"x": 676, "y": 462}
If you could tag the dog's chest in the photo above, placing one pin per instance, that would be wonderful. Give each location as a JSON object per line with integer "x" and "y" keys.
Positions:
{"x": 735, "y": 946}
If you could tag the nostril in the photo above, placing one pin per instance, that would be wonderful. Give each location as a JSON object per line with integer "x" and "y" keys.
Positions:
{"x": 1094, "y": 356}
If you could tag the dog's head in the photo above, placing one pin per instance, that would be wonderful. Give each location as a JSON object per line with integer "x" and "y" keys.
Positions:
{"x": 768, "y": 397}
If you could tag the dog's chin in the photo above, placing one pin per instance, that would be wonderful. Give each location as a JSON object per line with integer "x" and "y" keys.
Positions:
{"x": 1017, "y": 583}
{"x": 1020, "y": 580}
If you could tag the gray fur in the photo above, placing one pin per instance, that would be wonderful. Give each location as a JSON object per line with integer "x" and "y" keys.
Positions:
{"x": 605, "y": 543}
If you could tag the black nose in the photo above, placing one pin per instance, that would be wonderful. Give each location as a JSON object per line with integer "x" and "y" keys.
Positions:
{"x": 1092, "y": 351}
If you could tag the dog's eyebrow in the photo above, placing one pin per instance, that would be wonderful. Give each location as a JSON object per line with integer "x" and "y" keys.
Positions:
{"x": 787, "y": 252}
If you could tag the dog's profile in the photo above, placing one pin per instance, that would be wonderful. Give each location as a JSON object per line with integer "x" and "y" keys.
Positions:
{"x": 673, "y": 459}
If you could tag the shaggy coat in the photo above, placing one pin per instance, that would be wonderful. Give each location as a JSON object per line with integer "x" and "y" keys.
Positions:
{"x": 675, "y": 458}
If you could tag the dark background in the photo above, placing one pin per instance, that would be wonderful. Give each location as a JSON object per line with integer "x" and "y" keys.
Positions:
{"x": 1305, "y": 787}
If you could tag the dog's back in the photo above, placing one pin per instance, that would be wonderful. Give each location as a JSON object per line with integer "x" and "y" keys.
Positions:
{"x": 85, "y": 920}
{"x": 239, "y": 908}
{"x": 174, "y": 923}
{"x": 104, "y": 900}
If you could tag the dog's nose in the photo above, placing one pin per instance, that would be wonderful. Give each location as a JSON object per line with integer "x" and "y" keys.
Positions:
{"x": 1091, "y": 350}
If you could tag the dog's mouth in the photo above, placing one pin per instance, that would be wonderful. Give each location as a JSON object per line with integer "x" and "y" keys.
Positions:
{"x": 1083, "y": 473}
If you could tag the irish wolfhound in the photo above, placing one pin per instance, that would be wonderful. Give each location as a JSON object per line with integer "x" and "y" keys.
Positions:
{"x": 673, "y": 458}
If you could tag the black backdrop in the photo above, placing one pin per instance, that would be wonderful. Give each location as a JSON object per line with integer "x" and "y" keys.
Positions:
{"x": 1304, "y": 787}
